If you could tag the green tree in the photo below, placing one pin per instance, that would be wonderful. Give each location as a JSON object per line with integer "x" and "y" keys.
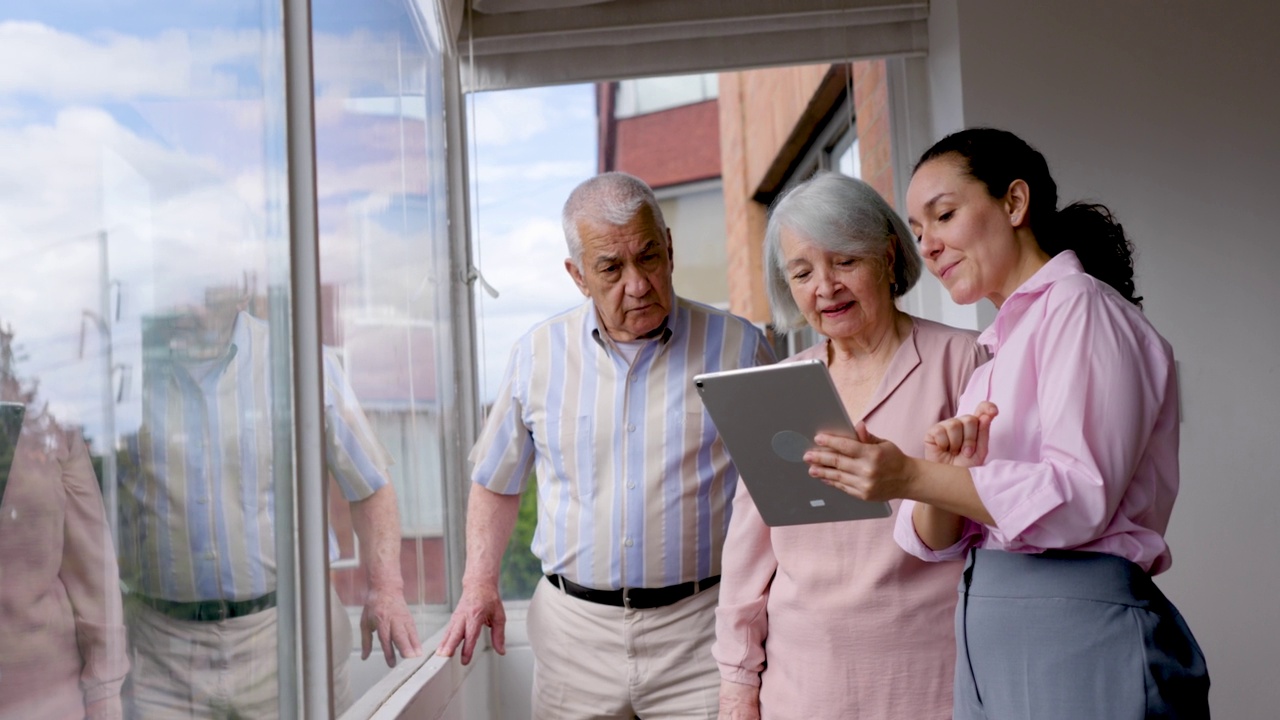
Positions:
{"x": 521, "y": 569}
{"x": 14, "y": 391}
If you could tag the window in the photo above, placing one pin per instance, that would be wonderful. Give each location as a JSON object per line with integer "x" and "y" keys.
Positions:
{"x": 834, "y": 148}
{"x": 530, "y": 149}
{"x": 648, "y": 95}
{"x": 144, "y": 315}
{"x": 144, "y": 237}
{"x": 384, "y": 247}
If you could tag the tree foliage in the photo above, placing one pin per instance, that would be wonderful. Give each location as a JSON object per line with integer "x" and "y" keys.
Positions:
{"x": 521, "y": 570}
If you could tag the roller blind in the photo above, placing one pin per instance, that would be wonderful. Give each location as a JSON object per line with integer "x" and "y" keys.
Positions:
{"x": 505, "y": 44}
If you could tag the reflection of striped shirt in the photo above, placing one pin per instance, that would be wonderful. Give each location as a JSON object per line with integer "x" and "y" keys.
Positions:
{"x": 198, "y": 514}
{"x": 634, "y": 484}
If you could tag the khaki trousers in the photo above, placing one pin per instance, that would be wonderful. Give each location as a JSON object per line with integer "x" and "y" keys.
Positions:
{"x": 598, "y": 661}
{"x": 187, "y": 670}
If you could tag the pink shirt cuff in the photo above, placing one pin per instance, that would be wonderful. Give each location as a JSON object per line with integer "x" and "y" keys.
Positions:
{"x": 904, "y": 532}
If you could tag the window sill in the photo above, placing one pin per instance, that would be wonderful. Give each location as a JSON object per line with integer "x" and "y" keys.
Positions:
{"x": 428, "y": 685}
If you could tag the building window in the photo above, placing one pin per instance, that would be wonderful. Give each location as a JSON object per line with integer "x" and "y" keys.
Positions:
{"x": 834, "y": 149}
{"x": 648, "y": 95}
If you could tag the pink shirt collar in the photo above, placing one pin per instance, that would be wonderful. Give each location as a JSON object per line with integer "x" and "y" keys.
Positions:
{"x": 1059, "y": 266}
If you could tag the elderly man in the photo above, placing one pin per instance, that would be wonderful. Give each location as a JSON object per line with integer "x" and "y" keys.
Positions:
{"x": 634, "y": 487}
{"x": 198, "y": 526}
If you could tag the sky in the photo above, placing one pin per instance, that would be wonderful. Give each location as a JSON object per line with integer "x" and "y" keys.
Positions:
{"x": 532, "y": 147}
{"x": 154, "y": 122}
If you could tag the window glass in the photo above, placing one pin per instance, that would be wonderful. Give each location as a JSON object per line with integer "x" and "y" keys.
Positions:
{"x": 143, "y": 298}
{"x": 382, "y": 193}
{"x": 848, "y": 161}
{"x": 694, "y": 214}
{"x": 647, "y": 95}
{"x": 530, "y": 149}
{"x": 144, "y": 342}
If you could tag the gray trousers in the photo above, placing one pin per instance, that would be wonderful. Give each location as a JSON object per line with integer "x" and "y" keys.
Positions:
{"x": 1071, "y": 636}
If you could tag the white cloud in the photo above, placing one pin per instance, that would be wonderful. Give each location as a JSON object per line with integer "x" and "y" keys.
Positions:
{"x": 534, "y": 172}
{"x": 526, "y": 266}
{"x": 41, "y": 61}
{"x": 350, "y": 65}
{"x": 504, "y": 118}
{"x": 173, "y": 225}
{"x": 179, "y": 181}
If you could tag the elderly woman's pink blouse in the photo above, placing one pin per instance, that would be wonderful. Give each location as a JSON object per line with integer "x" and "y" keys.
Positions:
{"x": 834, "y": 620}
{"x": 62, "y": 635}
{"x": 1084, "y": 452}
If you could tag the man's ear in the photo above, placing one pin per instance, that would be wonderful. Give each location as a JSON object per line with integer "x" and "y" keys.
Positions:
{"x": 576, "y": 273}
{"x": 671, "y": 248}
{"x": 1017, "y": 202}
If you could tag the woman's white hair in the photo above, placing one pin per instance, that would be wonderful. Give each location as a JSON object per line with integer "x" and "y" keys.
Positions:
{"x": 613, "y": 198}
{"x": 841, "y": 215}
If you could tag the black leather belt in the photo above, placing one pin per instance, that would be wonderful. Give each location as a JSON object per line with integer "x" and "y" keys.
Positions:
{"x": 209, "y": 610}
{"x": 634, "y": 598}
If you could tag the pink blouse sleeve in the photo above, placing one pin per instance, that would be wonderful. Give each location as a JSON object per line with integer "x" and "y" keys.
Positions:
{"x": 747, "y": 571}
{"x": 904, "y": 533}
{"x": 91, "y": 579}
{"x": 1100, "y": 381}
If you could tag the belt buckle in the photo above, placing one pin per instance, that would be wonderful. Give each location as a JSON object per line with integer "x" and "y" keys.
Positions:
{"x": 219, "y": 611}
{"x": 626, "y": 598}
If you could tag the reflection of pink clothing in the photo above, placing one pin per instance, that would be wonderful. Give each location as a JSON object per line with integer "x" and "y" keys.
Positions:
{"x": 834, "y": 620}
{"x": 62, "y": 638}
{"x": 1084, "y": 452}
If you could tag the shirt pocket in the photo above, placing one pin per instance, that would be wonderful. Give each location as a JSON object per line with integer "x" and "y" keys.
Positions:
{"x": 687, "y": 435}
{"x": 573, "y": 451}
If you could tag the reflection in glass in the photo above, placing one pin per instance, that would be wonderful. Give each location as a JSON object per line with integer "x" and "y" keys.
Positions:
{"x": 62, "y": 637}
{"x": 144, "y": 270}
{"x": 149, "y": 141}
{"x": 382, "y": 198}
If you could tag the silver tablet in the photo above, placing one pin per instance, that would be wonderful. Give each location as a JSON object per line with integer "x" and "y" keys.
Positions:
{"x": 768, "y": 417}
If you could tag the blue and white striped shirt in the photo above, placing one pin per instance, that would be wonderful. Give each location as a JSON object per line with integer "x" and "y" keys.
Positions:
{"x": 197, "y": 510}
{"x": 634, "y": 483}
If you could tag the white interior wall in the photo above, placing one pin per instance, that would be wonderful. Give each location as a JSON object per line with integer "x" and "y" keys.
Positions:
{"x": 1168, "y": 113}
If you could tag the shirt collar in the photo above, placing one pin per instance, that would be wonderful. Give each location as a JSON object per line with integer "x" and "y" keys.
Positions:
{"x": 243, "y": 332}
{"x": 596, "y": 332}
{"x": 1059, "y": 266}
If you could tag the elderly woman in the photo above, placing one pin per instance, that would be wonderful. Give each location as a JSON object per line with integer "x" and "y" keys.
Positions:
{"x": 62, "y": 636}
{"x": 835, "y": 620}
{"x": 1060, "y": 502}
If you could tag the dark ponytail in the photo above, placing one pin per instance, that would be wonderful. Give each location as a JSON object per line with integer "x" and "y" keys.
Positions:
{"x": 996, "y": 158}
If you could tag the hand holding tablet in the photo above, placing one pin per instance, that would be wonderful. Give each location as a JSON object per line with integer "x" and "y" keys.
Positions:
{"x": 768, "y": 417}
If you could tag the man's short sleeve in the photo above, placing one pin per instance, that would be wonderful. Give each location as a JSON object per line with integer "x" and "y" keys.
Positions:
{"x": 503, "y": 457}
{"x": 357, "y": 459}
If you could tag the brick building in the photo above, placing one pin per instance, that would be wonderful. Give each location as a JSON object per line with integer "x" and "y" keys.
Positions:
{"x": 729, "y": 155}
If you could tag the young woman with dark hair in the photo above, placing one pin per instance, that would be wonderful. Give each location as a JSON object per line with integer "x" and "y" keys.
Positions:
{"x": 1059, "y": 504}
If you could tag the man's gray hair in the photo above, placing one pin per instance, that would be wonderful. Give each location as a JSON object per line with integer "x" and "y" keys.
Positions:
{"x": 613, "y": 198}
{"x": 841, "y": 215}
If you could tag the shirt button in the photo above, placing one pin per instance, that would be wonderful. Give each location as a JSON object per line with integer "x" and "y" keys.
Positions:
{"x": 209, "y": 556}
{"x": 203, "y": 500}
{"x": 631, "y": 427}
{"x": 631, "y": 486}
{"x": 628, "y": 542}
